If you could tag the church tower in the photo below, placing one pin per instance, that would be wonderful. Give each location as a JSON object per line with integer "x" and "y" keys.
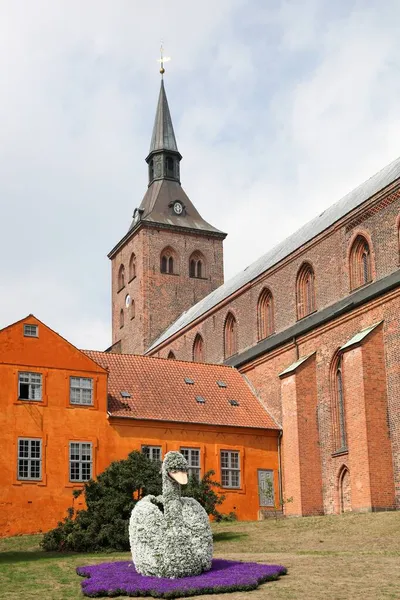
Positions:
{"x": 170, "y": 258}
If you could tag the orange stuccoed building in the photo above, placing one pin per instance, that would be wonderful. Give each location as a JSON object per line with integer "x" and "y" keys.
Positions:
{"x": 67, "y": 414}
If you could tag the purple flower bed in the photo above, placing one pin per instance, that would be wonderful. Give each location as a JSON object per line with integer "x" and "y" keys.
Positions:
{"x": 121, "y": 579}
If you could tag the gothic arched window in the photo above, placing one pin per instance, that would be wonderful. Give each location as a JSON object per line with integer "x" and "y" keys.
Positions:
{"x": 151, "y": 170}
{"x": 196, "y": 265}
{"x": 265, "y": 314}
{"x": 360, "y": 263}
{"x": 121, "y": 277}
{"x": 230, "y": 336}
{"x": 171, "y": 355}
{"x": 198, "y": 349}
{"x": 132, "y": 266}
{"x": 167, "y": 262}
{"x": 338, "y": 405}
{"x": 121, "y": 317}
{"x": 305, "y": 291}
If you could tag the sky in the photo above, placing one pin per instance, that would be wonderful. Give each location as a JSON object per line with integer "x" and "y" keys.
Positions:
{"x": 280, "y": 107}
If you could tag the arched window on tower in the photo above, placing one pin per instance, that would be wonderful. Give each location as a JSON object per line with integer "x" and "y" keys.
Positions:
{"x": 168, "y": 261}
{"x": 230, "y": 336}
{"x": 265, "y": 314}
{"x": 338, "y": 405}
{"x": 360, "y": 263}
{"x": 305, "y": 291}
{"x": 121, "y": 277}
{"x": 171, "y": 355}
{"x": 169, "y": 166}
{"x": 151, "y": 170}
{"x": 121, "y": 317}
{"x": 198, "y": 349}
{"x": 132, "y": 267}
{"x": 196, "y": 265}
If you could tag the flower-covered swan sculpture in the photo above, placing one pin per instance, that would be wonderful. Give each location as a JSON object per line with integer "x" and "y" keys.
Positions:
{"x": 170, "y": 536}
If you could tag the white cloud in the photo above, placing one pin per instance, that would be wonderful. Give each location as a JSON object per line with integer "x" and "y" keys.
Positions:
{"x": 279, "y": 108}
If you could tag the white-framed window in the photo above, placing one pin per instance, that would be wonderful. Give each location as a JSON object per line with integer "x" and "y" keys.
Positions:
{"x": 152, "y": 452}
{"x": 29, "y": 459}
{"x": 192, "y": 456}
{"x": 29, "y": 386}
{"x": 81, "y": 390}
{"x": 31, "y": 330}
{"x": 80, "y": 461}
{"x": 230, "y": 469}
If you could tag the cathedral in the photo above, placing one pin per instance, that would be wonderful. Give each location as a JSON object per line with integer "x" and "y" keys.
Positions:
{"x": 284, "y": 380}
{"x": 313, "y": 325}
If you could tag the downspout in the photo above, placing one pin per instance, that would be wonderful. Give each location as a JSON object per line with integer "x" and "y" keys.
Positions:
{"x": 280, "y": 469}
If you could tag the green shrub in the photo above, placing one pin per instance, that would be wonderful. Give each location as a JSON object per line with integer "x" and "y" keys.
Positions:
{"x": 202, "y": 491}
{"x": 110, "y": 500}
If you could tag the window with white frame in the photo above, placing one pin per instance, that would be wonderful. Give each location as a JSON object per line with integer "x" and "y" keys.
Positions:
{"x": 29, "y": 386}
{"x": 81, "y": 390}
{"x": 192, "y": 456}
{"x": 230, "y": 469}
{"x": 80, "y": 461}
{"x": 31, "y": 330}
{"x": 29, "y": 459}
{"x": 152, "y": 452}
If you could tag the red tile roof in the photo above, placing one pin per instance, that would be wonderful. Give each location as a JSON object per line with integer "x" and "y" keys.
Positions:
{"x": 158, "y": 391}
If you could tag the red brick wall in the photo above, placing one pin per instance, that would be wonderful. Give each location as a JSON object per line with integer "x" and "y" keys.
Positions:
{"x": 302, "y": 461}
{"x": 290, "y": 448}
{"x": 378, "y": 434}
{"x": 160, "y": 298}
{"x": 378, "y": 221}
{"x": 309, "y": 452}
{"x": 328, "y": 254}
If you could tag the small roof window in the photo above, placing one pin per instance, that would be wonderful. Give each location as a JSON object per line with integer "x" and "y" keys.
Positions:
{"x": 221, "y": 384}
{"x": 189, "y": 381}
{"x": 31, "y": 330}
{"x": 125, "y": 394}
{"x": 233, "y": 402}
{"x": 200, "y": 400}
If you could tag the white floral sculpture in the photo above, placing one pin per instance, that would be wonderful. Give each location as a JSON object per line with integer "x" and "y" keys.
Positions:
{"x": 171, "y": 536}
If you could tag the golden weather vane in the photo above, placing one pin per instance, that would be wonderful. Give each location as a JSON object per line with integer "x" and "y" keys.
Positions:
{"x": 163, "y": 59}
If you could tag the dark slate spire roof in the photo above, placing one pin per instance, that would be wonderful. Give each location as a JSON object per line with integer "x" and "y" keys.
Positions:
{"x": 163, "y": 137}
{"x": 156, "y": 207}
{"x": 165, "y": 188}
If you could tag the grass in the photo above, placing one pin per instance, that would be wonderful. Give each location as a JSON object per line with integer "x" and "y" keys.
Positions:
{"x": 335, "y": 557}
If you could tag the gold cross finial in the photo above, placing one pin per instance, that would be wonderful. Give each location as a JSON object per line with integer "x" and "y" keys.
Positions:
{"x": 163, "y": 59}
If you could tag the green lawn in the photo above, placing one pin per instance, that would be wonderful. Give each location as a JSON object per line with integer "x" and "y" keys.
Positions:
{"x": 328, "y": 558}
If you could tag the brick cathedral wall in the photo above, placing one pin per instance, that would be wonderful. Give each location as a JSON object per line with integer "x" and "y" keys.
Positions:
{"x": 131, "y": 334}
{"x": 309, "y": 449}
{"x": 379, "y": 444}
{"x": 160, "y": 298}
{"x": 167, "y": 296}
{"x": 328, "y": 254}
{"x": 379, "y": 222}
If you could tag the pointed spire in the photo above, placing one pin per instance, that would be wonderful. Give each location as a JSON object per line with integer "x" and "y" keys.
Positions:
{"x": 163, "y": 137}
